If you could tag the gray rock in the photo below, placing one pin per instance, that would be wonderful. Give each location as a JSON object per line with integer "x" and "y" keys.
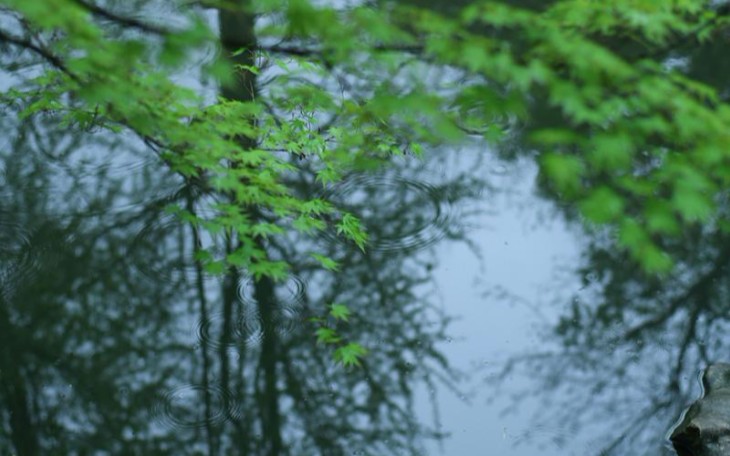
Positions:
{"x": 705, "y": 428}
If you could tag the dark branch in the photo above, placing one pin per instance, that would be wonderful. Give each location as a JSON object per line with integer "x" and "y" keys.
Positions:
{"x": 307, "y": 52}
{"x": 44, "y": 53}
{"x": 122, "y": 20}
{"x": 700, "y": 286}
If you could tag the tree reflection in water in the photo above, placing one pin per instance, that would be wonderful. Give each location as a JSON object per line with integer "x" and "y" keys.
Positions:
{"x": 113, "y": 338}
{"x": 627, "y": 350}
{"x": 623, "y": 360}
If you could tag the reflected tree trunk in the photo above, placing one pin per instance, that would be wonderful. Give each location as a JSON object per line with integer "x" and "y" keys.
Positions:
{"x": 91, "y": 349}
{"x": 211, "y": 435}
{"x": 270, "y": 419}
{"x": 13, "y": 391}
{"x": 239, "y": 43}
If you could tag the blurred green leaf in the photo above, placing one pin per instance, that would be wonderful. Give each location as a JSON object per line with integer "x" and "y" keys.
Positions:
{"x": 327, "y": 335}
{"x": 563, "y": 171}
{"x": 660, "y": 218}
{"x": 691, "y": 204}
{"x": 340, "y": 312}
{"x": 612, "y": 151}
{"x": 602, "y": 205}
{"x": 350, "y": 355}
{"x": 326, "y": 262}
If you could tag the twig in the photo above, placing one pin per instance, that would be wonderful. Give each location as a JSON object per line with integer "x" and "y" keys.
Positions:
{"x": 45, "y": 53}
{"x": 126, "y": 21}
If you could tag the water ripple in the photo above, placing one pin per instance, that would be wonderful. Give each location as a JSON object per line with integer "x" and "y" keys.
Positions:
{"x": 248, "y": 327}
{"x": 19, "y": 261}
{"x": 165, "y": 243}
{"x": 159, "y": 240}
{"x": 399, "y": 214}
{"x": 289, "y": 293}
{"x": 182, "y": 407}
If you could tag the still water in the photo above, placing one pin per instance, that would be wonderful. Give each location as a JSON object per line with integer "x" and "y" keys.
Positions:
{"x": 475, "y": 299}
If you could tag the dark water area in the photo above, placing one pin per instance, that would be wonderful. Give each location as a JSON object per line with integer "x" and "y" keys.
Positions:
{"x": 489, "y": 331}
{"x": 115, "y": 341}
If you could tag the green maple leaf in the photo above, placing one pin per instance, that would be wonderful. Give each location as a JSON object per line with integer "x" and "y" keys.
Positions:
{"x": 327, "y": 336}
{"x": 340, "y": 312}
{"x": 350, "y": 354}
{"x": 326, "y": 262}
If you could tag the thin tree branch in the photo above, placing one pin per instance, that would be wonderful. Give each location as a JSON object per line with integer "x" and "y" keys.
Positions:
{"x": 308, "y": 52}
{"x": 122, "y": 20}
{"x": 47, "y": 55}
{"x": 698, "y": 287}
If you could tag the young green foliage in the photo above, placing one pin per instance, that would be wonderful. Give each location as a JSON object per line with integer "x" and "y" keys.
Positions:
{"x": 346, "y": 353}
{"x": 350, "y": 355}
{"x": 339, "y": 312}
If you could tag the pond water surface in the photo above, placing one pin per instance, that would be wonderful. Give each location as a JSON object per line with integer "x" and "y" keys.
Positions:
{"x": 115, "y": 342}
{"x": 497, "y": 323}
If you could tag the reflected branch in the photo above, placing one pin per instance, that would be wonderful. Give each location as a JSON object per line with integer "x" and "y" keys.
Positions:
{"x": 695, "y": 291}
{"x": 122, "y": 20}
{"x": 46, "y": 54}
